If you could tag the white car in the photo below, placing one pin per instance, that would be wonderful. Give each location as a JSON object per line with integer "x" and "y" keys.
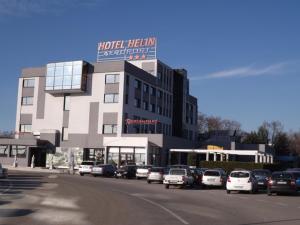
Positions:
{"x": 213, "y": 177}
{"x": 142, "y": 172}
{"x": 241, "y": 180}
{"x": 156, "y": 174}
{"x": 3, "y": 172}
{"x": 86, "y": 167}
{"x": 178, "y": 177}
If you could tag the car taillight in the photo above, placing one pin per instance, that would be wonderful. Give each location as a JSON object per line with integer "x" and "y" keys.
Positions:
{"x": 228, "y": 179}
{"x": 221, "y": 179}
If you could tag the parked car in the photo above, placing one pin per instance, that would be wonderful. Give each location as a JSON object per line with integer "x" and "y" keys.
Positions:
{"x": 197, "y": 174}
{"x": 297, "y": 178}
{"x": 142, "y": 172}
{"x": 181, "y": 166}
{"x": 282, "y": 182}
{"x": 126, "y": 171}
{"x": 3, "y": 172}
{"x": 214, "y": 177}
{"x": 241, "y": 180}
{"x": 293, "y": 170}
{"x": 262, "y": 176}
{"x": 86, "y": 167}
{"x": 178, "y": 177}
{"x": 156, "y": 174}
{"x": 107, "y": 170}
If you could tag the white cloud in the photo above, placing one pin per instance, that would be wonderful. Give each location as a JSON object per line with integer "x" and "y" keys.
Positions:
{"x": 29, "y": 7}
{"x": 249, "y": 71}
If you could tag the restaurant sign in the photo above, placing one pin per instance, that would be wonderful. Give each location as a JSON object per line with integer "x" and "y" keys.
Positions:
{"x": 132, "y": 49}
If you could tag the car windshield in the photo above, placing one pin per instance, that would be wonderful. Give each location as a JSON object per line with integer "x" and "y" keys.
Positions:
{"x": 212, "y": 173}
{"x": 177, "y": 172}
{"x": 240, "y": 174}
{"x": 261, "y": 173}
{"x": 282, "y": 176}
{"x": 157, "y": 170}
{"x": 87, "y": 163}
{"x": 297, "y": 175}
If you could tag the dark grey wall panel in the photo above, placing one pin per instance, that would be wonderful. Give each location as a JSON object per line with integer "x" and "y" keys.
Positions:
{"x": 107, "y": 67}
{"x": 26, "y": 119}
{"x": 41, "y": 99}
{"x": 111, "y": 88}
{"x": 93, "y": 117}
{"x": 110, "y": 118}
{"x": 34, "y": 72}
{"x": 66, "y": 119}
{"x": 27, "y": 92}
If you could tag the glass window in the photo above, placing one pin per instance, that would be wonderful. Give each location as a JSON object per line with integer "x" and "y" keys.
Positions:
{"x": 50, "y": 71}
{"x": 111, "y": 78}
{"x": 152, "y": 91}
{"x": 68, "y": 70}
{"x": 111, "y": 98}
{"x": 76, "y": 81}
{"x": 109, "y": 128}
{"x": 59, "y": 71}
{"x": 65, "y": 134}
{"x": 27, "y": 100}
{"x": 159, "y": 76}
{"x": 137, "y": 84}
{"x": 159, "y": 110}
{"x": 67, "y": 82}
{"x": 152, "y": 108}
{"x": 145, "y": 105}
{"x": 25, "y": 128}
{"x": 67, "y": 100}
{"x": 77, "y": 70}
{"x": 137, "y": 102}
{"x": 58, "y": 82}
{"x": 146, "y": 88}
{"x": 49, "y": 82}
{"x": 159, "y": 94}
{"x": 28, "y": 83}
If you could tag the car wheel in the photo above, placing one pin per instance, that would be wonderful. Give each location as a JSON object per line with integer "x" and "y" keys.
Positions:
{"x": 167, "y": 186}
{"x": 228, "y": 191}
{"x": 94, "y": 175}
{"x": 81, "y": 174}
{"x": 149, "y": 181}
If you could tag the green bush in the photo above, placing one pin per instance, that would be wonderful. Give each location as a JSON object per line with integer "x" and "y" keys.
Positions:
{"x": 229, "y": 166}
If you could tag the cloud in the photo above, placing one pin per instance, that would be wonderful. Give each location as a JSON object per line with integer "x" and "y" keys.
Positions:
{"x": 31, "y": 7}
{"x": 250, "y": 71}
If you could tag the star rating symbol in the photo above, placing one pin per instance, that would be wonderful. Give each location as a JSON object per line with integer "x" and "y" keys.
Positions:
{"x": 131, "y": 57}
{"x": 137, "y": 57}
{"x": 143, "y": 56}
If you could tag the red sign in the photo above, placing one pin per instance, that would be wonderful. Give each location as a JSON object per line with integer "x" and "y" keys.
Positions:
{"x": 141, "y": 122}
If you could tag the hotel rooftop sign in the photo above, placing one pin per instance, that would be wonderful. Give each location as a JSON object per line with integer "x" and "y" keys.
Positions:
{"x": 132, "y": 49}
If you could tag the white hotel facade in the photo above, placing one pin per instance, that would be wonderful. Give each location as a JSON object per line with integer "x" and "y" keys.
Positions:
{"x": 82, "y": 109}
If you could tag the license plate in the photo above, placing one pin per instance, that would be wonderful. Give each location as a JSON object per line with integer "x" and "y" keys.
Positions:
{"x": 238, "y": 186}
{"x": 119, "y": 175}
{"x": 173, "y": 181}
{"x": 211, "y": 179}
{"x": 261, "y": 183}
{"x": 281, "y": 182}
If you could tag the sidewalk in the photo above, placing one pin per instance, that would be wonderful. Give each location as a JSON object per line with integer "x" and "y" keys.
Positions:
{"x": 37, "y": 169}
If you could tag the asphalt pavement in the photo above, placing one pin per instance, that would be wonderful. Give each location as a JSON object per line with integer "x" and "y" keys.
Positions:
{"x": 57, "y": 199}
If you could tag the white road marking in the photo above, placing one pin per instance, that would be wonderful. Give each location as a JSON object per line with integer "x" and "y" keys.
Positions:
{"x": 163, "y": 208}
{"x": 137, "y": 195}
{"x": 281, "y": 204}
{"x": 52, "y": 176}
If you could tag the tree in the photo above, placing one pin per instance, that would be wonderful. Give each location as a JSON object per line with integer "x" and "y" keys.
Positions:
{"x": 282, "y": 144}
{"x": 294, "y": 141}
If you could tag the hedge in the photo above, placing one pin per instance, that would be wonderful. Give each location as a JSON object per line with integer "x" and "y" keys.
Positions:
{"x": 231, "y": 165}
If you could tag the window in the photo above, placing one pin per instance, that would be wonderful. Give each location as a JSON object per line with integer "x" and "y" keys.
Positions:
{"x": 65, "y": 134}
{"x": 146, "y": 88}
{"x": 159, "y": 110}
{"x": 111, "y": 78}
{"x": 26, "y": 128}
{"x": 137, "y": 103}
{"x": 159, "y": 94}
{"x": 109, "y": 129}
{"x": 145, "y": 105}
{"x": 159, "y": 76}
{"x": 67, "y": 102}
{"x": 28, "y": 83}
{"x": 137, "y": 84}
{"x": 28, "y": 100}
{"x": 152, "y": 91}
{"x": 111, "y": 98}
{"x": 127, "y": 80}
{"x": 152, "y": 108}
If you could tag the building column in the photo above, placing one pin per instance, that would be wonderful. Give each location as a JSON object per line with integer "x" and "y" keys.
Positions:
{"x": 268, "y": 158}
{"x": 264, "y": 159}
{"x": 271, "y": 159}
{"x": 256, "y": 158}
{"x": 215, "y": 157}
{"x": 227, "y": 157}
{"x": 221, "y": 157}
{"x": 207, "y": 156}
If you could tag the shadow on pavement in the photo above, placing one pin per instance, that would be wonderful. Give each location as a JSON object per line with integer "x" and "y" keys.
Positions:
{"x": 272, "y": 221}
{"x": 15, "y": 212}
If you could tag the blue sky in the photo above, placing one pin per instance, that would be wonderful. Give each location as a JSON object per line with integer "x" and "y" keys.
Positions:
{"x": 243, "y": 57}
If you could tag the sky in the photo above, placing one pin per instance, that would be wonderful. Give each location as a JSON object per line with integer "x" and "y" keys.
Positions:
{"x": 242, "y": 56}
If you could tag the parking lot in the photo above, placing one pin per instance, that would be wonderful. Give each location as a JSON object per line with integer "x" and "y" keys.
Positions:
{"x": 35, "y": 198}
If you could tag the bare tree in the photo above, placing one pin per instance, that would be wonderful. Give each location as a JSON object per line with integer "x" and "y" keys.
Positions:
{"x": 294, "y": 139}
